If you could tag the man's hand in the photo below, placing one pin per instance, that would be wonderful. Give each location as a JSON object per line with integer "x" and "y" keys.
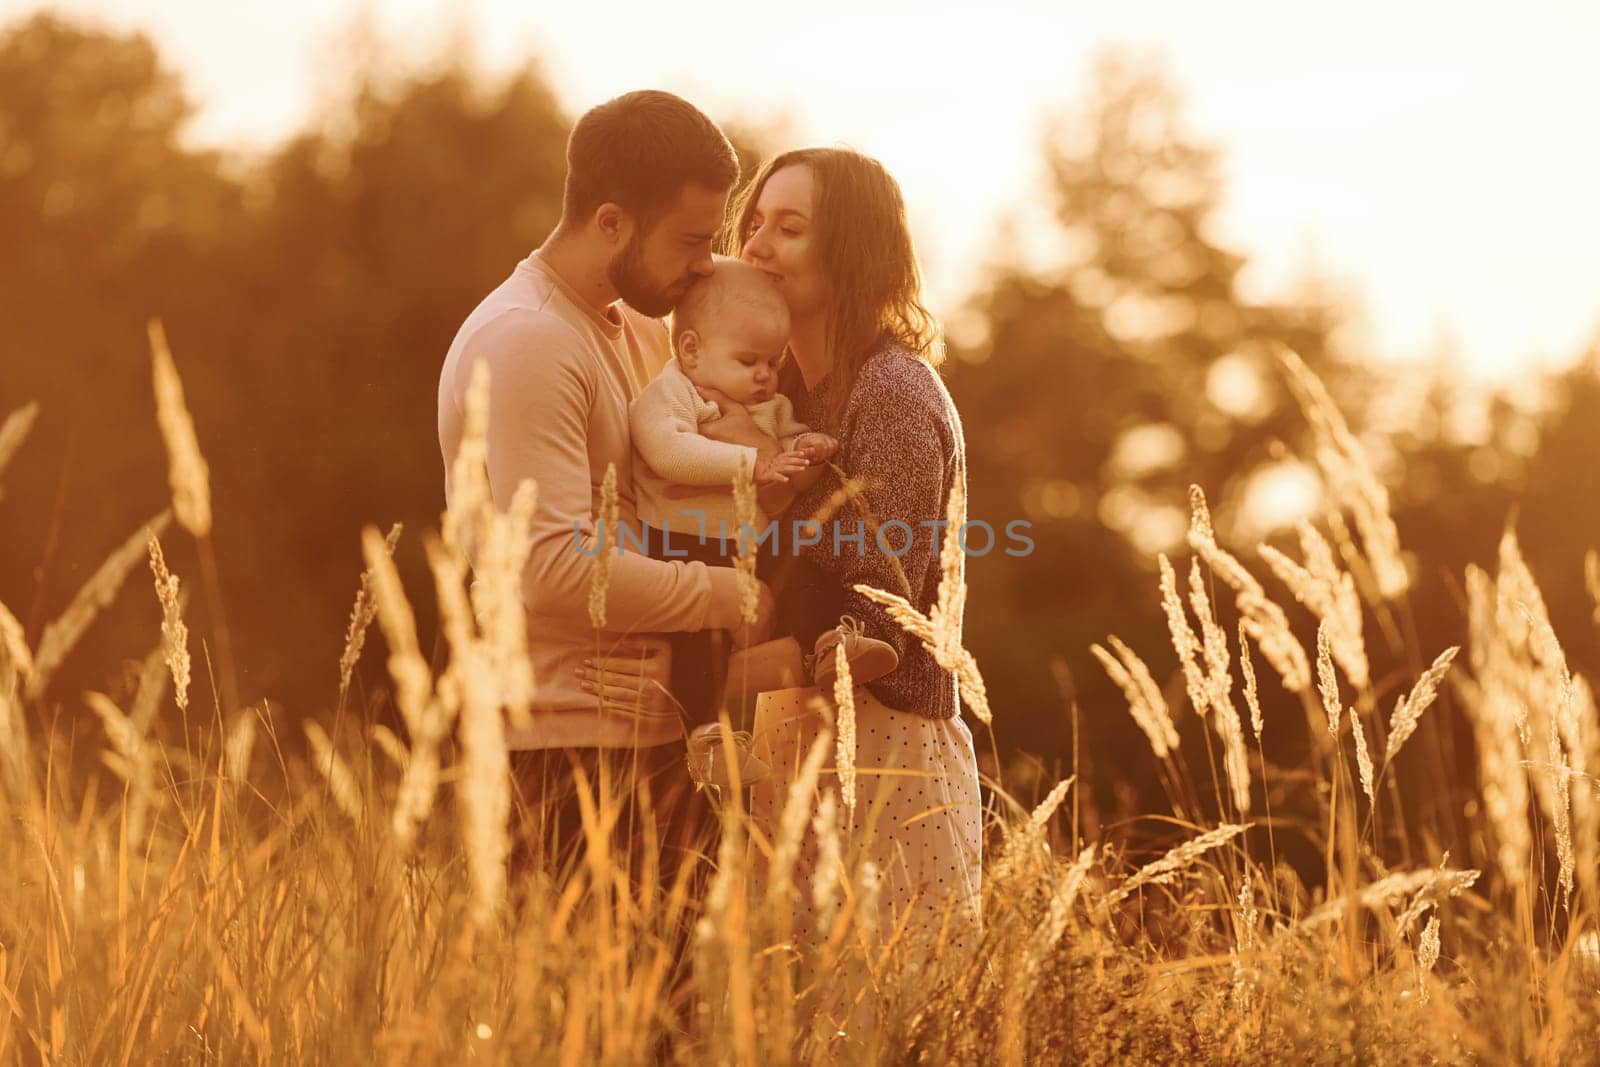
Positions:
{"x": 816, "y": 447}
{"x": 632, "y": 677}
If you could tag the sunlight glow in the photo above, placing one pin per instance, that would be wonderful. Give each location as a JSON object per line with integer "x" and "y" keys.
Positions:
{"x": 1428, "y": 159}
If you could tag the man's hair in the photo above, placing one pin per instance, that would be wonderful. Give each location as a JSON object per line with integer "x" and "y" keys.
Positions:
{"x": 731, "y": 283}
{"x": 639, "y": 151}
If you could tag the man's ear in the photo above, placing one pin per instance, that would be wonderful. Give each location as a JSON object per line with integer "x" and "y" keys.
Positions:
{"x": 614, "y": 223}
{"x": 689, "y": 348}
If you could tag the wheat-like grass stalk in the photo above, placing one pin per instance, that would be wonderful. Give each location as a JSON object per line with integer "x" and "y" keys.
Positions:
{"x": 722, "y": 941}
{"x": 484, "y": 782}
{"x": 1501, "y": 777}
{"x": 1184, "y": 641}
{"x": 1500, "y": 719}
{"x": 1525, "y": 670}
{"x": 1427, "y": 955}
{"x": 1408, "y": 710}
{"x": 14, "y": 644}
{"x": 336, "y": 772}
{"x": 1249, "y": 914}
{"x": 798, "y": 810}
{"x": 362, "y": 613}
{"x": 16, "y": 758}
{"x": 1349, "y": 474}
{"x": 240, "y": 745}
{"x": 1025, "y": 843}
{"x": 958, "y": 660}
{"x": 15, "y": 430}
{"x": 1583, "y": 753}
{"x": 1263, "y": 618}
{"x": 150, "y": 689}
{"x": 428, "y": 717}
{"x": 174, "y": 632}
{"x": 470, "y": 492}
{"x": 1363, "y": 755}
{"x": 1439, "y": 884}
{"x": 1175, "y": 862}
{"x": 844, "y": 701}
{"x": 748, "y": 514}
{"x": 1062, "y": 897}
{"x": 133, "y": 755}
{"x": 484, "y": 788}
{"x": 950, "y": 605}
{"x": 826, "y": 879}
{"x": 419, "y": 783}
{"x": 850, "y": 489}
{"x": 608, "y": 544}
{"x": 134, "y": 762}
{"x": 1566, "y": 855}
{"x": 940, "y": 630}
{"x": 1246, "y": 918}
{"x": 1219, "y": 692}
{"x": 187, "y": 474}
{"x": 497, "y": 601}
{"x": 97, "y": 593}
{"x": 1252, "y": 698}
{"x": 1330, "y": 594}
{"x": 1066, "y": 892}
{"x": 869, "y": 893}
{"x": 390, "y": 745}
{"x": 413, "y": 680}
{"x": 1328, "y": 680}
{"x": 1145, "y": 702}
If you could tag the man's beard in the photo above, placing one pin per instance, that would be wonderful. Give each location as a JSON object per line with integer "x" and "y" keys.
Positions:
{"x": 628, "y": 276}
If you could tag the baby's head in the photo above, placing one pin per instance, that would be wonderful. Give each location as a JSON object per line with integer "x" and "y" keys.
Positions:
{"x": 730, "y": 330}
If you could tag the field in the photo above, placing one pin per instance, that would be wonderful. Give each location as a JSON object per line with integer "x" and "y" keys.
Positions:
{"x": 201, "y": 885}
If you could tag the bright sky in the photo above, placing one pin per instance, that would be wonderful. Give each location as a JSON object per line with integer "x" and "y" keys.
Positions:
{"x": 1435, "y": 159}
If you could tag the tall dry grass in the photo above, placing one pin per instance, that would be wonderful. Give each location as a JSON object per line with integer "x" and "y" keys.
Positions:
{"x": 236, "y": 896}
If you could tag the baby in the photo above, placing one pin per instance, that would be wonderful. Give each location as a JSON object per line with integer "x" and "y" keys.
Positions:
{"x": 729, "y": 334}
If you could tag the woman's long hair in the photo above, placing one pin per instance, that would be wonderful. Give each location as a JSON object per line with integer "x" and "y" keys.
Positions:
{"x": 865, "y": 252}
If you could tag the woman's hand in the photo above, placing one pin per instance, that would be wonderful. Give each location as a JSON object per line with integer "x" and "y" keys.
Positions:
{"x": 816, "y": 447}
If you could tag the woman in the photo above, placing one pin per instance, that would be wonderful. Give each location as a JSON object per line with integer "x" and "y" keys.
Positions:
{"x": 829, "y": 226}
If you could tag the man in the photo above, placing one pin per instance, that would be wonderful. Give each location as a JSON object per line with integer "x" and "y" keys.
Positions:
{"x": 570, "y": 339}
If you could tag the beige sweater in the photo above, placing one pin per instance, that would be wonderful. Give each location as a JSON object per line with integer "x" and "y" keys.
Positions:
{"x": 665, "y": 419}
{"x": 562, "y": 375}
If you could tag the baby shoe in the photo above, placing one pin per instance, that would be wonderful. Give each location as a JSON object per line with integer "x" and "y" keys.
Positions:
{"x": 869, "y": 658}
{"x": 708, "y": 756}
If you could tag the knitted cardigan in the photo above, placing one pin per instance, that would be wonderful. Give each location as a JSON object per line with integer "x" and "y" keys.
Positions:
{"x": 901, "y": 434}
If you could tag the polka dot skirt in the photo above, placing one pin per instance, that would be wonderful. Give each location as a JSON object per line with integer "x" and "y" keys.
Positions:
{"x": 918, "y": 815}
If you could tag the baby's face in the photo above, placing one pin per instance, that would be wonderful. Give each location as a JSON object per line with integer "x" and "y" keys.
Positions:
{"x": 739, "y": 354}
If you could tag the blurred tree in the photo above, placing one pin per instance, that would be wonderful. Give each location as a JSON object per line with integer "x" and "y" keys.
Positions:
{"x": 1097, "y": 393}
{"x": 108, "y": 219}
{"x": 377, "y": 234}
{"x": 1558, "y": 519}
{"x": 309, "y": 295}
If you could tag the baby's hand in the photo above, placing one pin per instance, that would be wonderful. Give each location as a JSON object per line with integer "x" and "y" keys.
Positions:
{"x": 776, "y": 470}
{"x": 816, "y": 447}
